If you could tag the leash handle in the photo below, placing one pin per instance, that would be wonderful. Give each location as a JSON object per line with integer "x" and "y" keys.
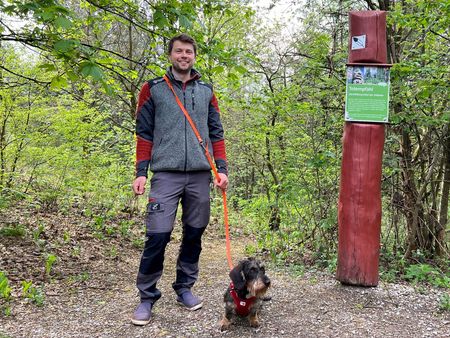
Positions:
{"x": 213, "y": 167}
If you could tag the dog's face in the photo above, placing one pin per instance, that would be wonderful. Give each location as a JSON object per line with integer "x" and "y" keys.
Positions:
{"x": 250, "y": 275}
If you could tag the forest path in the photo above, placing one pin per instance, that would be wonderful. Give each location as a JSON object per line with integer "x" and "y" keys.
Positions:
{"x": 95, "y": 296}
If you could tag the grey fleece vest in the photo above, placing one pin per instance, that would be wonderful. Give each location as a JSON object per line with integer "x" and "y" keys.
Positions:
{"x": 175, "y": 147}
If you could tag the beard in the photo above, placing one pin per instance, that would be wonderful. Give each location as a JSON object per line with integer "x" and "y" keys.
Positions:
{"x": 180, "y": 70}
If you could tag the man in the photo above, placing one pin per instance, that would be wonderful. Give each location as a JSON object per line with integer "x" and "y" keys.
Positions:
{"x": 167, "y": 144}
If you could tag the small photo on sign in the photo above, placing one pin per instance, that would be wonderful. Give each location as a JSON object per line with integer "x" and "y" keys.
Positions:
{"x": 365, "y": 74}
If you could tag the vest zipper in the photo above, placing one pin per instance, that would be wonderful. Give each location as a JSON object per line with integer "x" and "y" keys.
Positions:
{"x": 185, "y": 129}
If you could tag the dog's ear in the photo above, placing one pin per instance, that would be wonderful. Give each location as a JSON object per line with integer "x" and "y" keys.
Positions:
{"x": 237, "y": 277}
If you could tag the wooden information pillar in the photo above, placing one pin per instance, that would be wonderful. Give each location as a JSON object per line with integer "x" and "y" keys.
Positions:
{"x": 367, "y": 96}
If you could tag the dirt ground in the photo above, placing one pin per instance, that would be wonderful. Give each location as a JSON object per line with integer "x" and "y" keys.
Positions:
{"x": 91, "y": 292}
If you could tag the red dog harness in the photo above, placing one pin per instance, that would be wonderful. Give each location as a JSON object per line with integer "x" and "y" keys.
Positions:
{"x": 242, "y": 305}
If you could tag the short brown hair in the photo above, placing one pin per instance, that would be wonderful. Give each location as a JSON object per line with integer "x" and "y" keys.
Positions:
{"x": 183, "y": 38}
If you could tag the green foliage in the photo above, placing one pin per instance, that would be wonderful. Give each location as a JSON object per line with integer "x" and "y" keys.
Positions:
{"x": 5, "y": 294}
{"x": 138, "y": 243}
{"x": 82, "y": 277}
{"x": 297, "y": 270}
{"x": 66, "y": 237}
{"x": 5, "y": 290}
{"x": 102, "y": 228}
{"x": 419, "y": 126}
{"x": 76, "y": 250}
{"x": 49, "y": 262}
{"x": 112, "y": 252}
{"x": 125, "y": 227}
{"x": 99, "y": 223}
{"x": 16, "y": 230}
{"x": 68, "y": 144}
{"x": 420, "y": 273}
{"x": 37, "y": 233}
{"x": 444, "y": 302}
{"x": 34, "y": 294}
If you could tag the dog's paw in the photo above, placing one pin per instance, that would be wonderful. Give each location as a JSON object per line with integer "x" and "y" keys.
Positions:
{"x": 224, "y": 324}
{"x": 254, "y": 322}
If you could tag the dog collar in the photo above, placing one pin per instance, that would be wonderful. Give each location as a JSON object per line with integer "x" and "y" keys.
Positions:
{"x": 242, "y": 305}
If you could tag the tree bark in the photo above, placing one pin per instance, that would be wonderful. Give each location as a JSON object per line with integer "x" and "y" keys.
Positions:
{"x": 440, "y": 246}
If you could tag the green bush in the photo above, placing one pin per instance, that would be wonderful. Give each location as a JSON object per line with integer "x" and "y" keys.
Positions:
{"x": 49, "y": 262}
{"x": 17, "y": 230}
{"x": 35, "y": 295}
{"x": 444, "y": 302}
{"x": 425, "y": 273}
{"x": 5, "y": 294}
{"x": 5, "y": 290}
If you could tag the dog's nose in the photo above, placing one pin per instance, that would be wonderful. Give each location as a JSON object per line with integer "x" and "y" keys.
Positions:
{"x": 266, "y": 281}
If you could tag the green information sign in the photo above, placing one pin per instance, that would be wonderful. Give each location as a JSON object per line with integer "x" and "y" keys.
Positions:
{"x": 367, "y": 94}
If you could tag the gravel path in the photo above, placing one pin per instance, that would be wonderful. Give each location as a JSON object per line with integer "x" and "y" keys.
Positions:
{"x": 312, "y": 305}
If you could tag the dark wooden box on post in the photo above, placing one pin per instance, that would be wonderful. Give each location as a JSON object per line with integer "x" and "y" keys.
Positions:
{"x": 369, "y": 26}
{"x": 359, "y": 208}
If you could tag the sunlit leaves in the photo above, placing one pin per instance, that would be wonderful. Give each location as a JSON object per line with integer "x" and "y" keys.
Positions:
{"x": 185, "y": 22}
{"x": 64, "y": 46}
{"x": 160, "y": 19}
{"x": 47, "y": 67}
{"x": 89, "y": 68}
{"x": 240, "y": 69}
{"x": 63, "y": 22}
{"x": 58, "y": 82}
{"x": 218, "y": 69}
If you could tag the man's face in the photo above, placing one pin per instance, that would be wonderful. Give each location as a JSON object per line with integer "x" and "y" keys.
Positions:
{"x": 182, "y": 56}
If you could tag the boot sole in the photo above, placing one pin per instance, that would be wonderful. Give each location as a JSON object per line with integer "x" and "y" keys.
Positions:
{"x": 195, "y": 307}
{"x": 140, "y": 322}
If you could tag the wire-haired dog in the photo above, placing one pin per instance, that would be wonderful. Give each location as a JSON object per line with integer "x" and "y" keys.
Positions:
{"x": 245, "y": 294}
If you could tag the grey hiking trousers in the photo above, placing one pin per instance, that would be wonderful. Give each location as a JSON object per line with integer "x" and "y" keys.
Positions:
{"x": 166, "y": 191}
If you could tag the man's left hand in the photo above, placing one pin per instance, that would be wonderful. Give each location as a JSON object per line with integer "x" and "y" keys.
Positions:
{"x": 223, "y": 184}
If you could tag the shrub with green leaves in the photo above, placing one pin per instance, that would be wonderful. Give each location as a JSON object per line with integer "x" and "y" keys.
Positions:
{"x": 444, "y": 302}
{"x": 125, "y": 227}
{"x": 35, "y": 295}
{"x": 49, "y": 262}
{"x": 5, "y": 290}
{"x": 425, "y": 273}
{"x": 5, "y": 294}
{"x": 38, "y": 231}
{"x": 17, "y": 230}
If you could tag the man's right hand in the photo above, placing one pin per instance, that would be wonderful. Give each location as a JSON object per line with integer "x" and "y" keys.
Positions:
{"x": 139, "y": 185}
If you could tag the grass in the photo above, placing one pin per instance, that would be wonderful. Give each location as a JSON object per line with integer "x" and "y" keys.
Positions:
{"x": 17, "y": 230}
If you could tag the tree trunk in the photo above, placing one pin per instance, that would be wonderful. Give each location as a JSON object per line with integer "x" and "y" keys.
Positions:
{"x": 440, "y": 245}
{"x": 2, "y": 151}
{"x": 410, "y": 193}
{"x": 2, "y": 137}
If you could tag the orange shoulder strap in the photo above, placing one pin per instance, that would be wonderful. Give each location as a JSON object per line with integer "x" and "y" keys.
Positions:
{"x": 213, "y": 167}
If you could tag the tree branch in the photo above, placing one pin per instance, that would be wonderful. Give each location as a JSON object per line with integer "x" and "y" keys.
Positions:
{"x": 25, "y": 77}
{"x": 436, "y": 33}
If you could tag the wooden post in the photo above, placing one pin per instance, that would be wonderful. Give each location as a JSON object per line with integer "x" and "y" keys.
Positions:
{"x": 359, "y": 209}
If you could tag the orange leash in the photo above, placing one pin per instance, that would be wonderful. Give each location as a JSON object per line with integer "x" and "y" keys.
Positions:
{"x": 213, "y": 167}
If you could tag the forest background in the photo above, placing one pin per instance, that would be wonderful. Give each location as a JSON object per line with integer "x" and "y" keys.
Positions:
{"x": 70, "y": 73}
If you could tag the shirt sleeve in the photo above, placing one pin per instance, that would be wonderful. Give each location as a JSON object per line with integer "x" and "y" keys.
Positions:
{"x": 145, "y": 121}
{"x": 216, "y": 136}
